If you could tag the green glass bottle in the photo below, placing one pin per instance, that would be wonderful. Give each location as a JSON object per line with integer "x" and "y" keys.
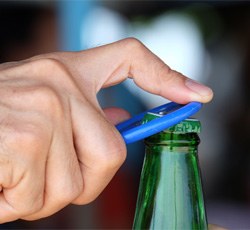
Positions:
{"x": 170, "y": 192}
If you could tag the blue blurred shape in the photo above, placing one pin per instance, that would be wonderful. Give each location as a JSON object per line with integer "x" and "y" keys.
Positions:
{"x": 71, "y": 17}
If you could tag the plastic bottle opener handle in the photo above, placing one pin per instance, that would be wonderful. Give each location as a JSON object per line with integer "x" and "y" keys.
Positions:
{"x": 132, "y": 130}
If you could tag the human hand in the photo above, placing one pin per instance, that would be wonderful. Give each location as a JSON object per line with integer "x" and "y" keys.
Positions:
{"x": 57, "y": 145}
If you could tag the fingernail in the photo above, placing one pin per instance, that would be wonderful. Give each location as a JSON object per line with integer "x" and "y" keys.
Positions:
{"x": 198, "y": 88}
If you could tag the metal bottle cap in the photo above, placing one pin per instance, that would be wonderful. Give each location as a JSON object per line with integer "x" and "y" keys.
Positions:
{"x": 189, "y": 125}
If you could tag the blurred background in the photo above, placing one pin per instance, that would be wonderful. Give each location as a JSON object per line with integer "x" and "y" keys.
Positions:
{"x": 207, "y": 41}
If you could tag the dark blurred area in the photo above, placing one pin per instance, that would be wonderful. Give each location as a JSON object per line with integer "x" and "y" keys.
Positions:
{"x": 27, "y": 29}
{"x": 212, "y": 40}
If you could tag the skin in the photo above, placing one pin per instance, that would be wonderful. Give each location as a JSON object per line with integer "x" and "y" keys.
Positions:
{"x": 58, "y": 146}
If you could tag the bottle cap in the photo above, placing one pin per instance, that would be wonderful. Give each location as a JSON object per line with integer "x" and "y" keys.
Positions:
{"x": 189, "y": 125}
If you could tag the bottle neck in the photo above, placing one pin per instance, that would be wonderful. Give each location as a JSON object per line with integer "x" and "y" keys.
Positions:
{"x": 172, "y": 139}
{"x": 170, "y": 194}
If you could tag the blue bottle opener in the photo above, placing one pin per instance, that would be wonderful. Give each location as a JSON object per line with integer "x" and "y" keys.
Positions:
{"x": 170, "y": 114}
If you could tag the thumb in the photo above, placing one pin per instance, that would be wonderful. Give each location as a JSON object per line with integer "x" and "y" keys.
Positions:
{"x": 116, "y": 115}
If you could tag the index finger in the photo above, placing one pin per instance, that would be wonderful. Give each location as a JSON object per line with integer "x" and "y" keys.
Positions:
{"x": 111, "y": 64}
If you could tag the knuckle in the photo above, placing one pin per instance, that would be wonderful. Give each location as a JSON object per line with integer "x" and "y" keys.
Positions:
{"x": 162, "y": 70}
{"x": 72, "y": 187}
{"x": 86, "y": 196}
{"x": 50, "y": 65}
{"x": 118, "y": 157}
{"x": 45, "y": 96}
{"x": 133, "y": 43}
{"x": 134, "y": 48}
{"x": 43, "y": 99}
{"x": 35, "y": 97}
{"x": 29, "y": 137}
{"x": 70, "y": 193}
{"x": 25, "y": 140}
{"x": 173, "y": 77}
{"x": 114, "y": 155}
